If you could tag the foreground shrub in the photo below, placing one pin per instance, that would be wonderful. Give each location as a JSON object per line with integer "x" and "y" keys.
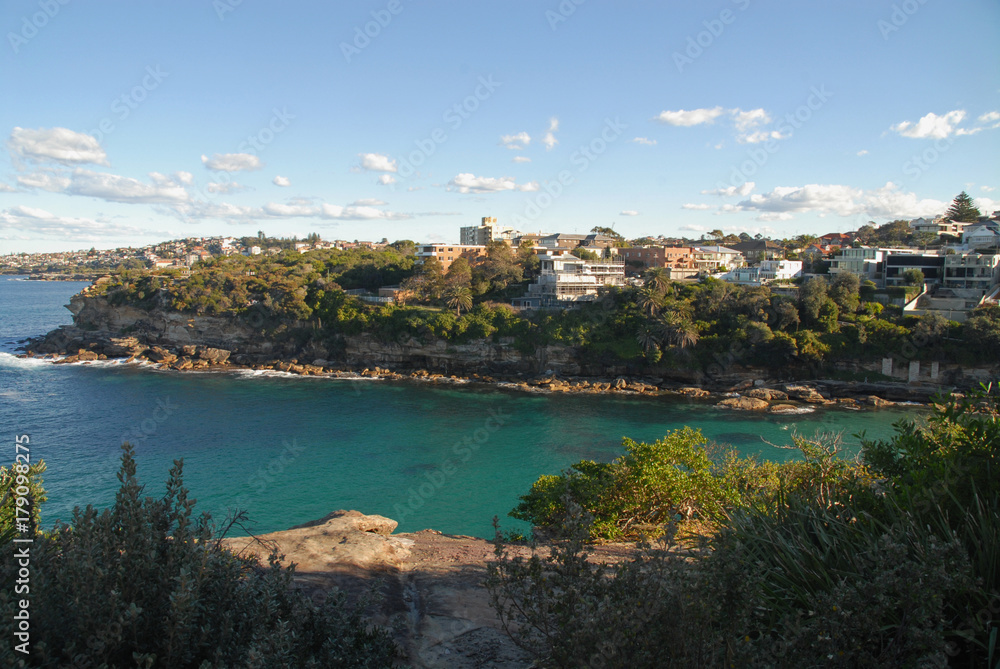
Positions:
{"x": 145, "y": 584}
{"x": 892, "y": 562}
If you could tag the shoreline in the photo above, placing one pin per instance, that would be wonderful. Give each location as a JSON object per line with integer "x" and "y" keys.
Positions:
{"x": 757, "y": 396}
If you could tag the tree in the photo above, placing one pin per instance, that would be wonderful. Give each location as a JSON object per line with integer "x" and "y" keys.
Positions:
{"x": 678, "y": 331}
{"x": 500, "y": 267}
{"x": 717, "y": 234}
{"x": 459, "y": 273}
{"x": 913, "y": 277}
{"x": 607, "y": 232}
{"x": 650, "y": 300}
{"x": 584, "y": 254}
{"x": 656, "y": 278}
{"x": 844, "y": 290}
{"x": 459, "y": 297}
{"x": 963, "y": 209}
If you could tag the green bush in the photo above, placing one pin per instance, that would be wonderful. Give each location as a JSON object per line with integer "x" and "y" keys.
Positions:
{"x": 144, "y": 583}
{"x": 888, "y": 562}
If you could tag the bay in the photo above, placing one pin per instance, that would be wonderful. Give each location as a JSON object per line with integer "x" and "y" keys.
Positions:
{"x": 292, "y": 449}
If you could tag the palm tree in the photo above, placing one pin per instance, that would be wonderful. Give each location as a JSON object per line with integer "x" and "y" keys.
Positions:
{"x": 460, "y": 297}
{"x": 650, "y": 300}
{"x": 656, "y": 278}
{"x": 678, "y": 331}
{"x": 647, "y": 339}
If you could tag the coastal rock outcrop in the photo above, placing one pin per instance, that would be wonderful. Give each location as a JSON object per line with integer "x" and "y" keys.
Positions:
{"x": 744, "y": 404}
{"x": 431, "y": 584}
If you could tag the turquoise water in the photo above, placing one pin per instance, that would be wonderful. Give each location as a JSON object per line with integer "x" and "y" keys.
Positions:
{"x": 292, "y": 449}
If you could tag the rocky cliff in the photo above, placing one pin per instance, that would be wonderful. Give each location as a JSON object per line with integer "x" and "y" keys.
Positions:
{"x": 185, "y": 341}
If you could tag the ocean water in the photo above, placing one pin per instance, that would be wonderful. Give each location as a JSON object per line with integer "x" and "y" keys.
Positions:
{"x": 292, "y": 449}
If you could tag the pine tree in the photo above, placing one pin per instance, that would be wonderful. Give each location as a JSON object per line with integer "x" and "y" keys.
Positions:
{"x": 963, "y": 209}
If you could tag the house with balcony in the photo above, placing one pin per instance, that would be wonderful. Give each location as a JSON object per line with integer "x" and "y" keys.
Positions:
{"x": 566, "y": 279}
{"x": 710, "y": 258}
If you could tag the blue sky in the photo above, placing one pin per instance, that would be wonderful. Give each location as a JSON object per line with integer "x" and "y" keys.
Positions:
{"x": 127, "y": 123}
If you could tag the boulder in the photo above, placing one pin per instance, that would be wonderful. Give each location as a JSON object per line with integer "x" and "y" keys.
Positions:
{"x": 216, "y": 356}
{"x": 783, "y": 408}
{"x": 805, "y": 394}
{"x": 878, "y": 402}
{"x": 84, "y": 354}
{"x": 161, "y": 355}
{"x": 694, "y": 392}
{"x": 767, "y": 394}
{"x": 189, "y": 351}
{"x": 123, "y": 347}
{"x": 744, "y": 404}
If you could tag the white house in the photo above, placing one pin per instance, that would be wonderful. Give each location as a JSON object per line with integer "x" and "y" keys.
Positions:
{"x": 566, "y": 278}
{"x": 979, "y": 236}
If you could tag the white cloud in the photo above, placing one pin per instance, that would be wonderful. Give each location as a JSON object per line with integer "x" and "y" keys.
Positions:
{"x": 110, "y": 187}
{"x": 931, "y": 125}
{"x": 115, "y": 188}
{"x": 58, "y": 145}
{"x": 232, "y": 162}
{"x": 521, "y": 159}
{"x": 692, "y": 228}
{"x": 549, "y": 140}
{"x": 742, "y": 190}
{"x": 686, "y": 118}
{"x": 5, "y": 188}
{"x": 989, "y": 117}
{"x": 386, "y": 180}
{"x": 748, "y": 120}
{"x": 644, "y": 140}
{"x": 284, "y": 182}
{"x": 863, "y": 152}
{"x": 628, "y": 212}
{"x": 224, "y": 188}
{"x": 376, "y": 162}
{"x": 297, "y": 208}
{"x": 517, "y": 142}
{"x": 887, "y": 202}
{"x": 470, "y": 183}
{"x": 368, "y": 202}
{"x": 185, "y": 177}
{"x": 988, "y": 189}
{"x": 776, "y": 216}
{"x": 698, "y": 207}
{"x": 51, "y": 181}
{"x": 44, "y": 223}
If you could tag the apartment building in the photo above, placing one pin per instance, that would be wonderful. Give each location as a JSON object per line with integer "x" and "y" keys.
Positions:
{"x": 487, "y": 231}
{"x": 449, "y": 253}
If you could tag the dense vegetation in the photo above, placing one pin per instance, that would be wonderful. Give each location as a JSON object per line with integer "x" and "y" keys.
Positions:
{"x": 657, "y": 324}
{"x": 888, "y": 560}
{"x": 145, "y": 583}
